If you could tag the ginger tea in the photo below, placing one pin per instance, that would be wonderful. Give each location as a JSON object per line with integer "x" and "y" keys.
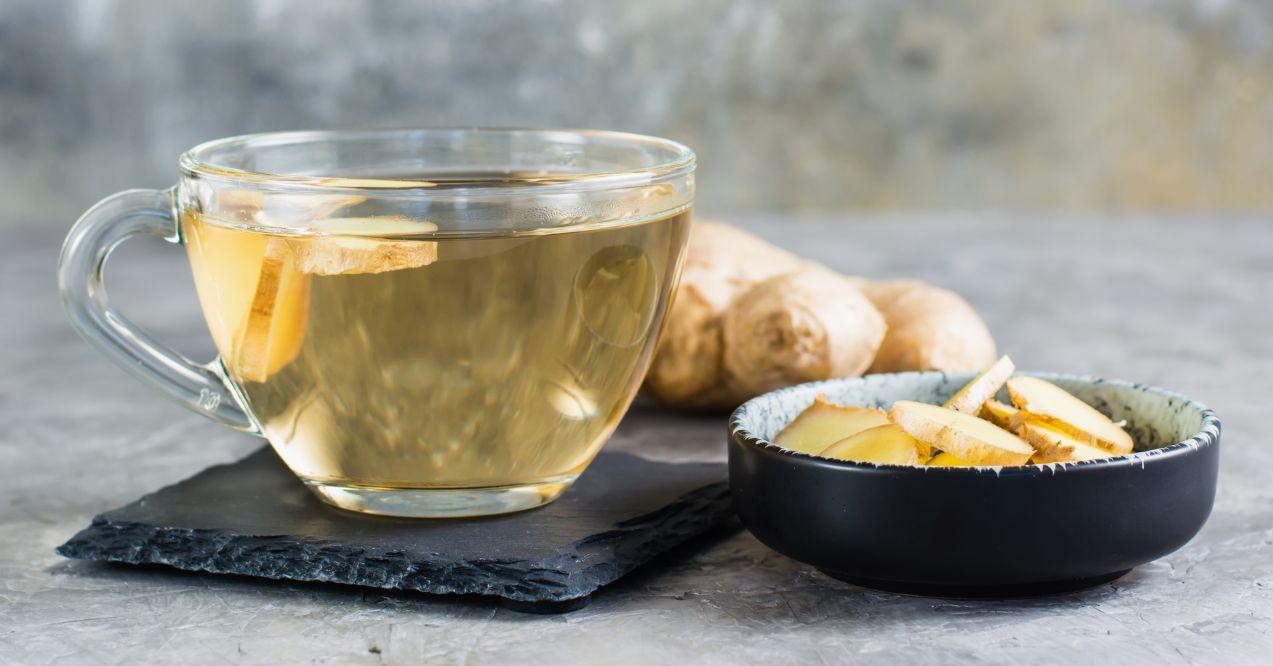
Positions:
{"x": 380, "y": 355}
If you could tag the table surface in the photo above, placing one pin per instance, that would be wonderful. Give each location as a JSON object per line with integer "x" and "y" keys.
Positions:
{"x": 1179, "y": 302}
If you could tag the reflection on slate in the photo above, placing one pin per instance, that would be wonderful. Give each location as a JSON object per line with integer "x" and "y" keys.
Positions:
{"x": 254, "y": 518}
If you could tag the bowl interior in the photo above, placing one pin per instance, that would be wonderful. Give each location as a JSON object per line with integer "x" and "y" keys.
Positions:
{"x": 1155, "y": 417}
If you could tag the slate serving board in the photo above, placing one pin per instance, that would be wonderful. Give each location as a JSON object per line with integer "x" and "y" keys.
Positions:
{"x": 254, "y": 518}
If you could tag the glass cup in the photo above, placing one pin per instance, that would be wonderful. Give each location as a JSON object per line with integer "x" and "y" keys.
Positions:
{"x": 432, "y": 323}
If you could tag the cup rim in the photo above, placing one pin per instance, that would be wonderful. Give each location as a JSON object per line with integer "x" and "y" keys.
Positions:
{"x": 196, "y": 162}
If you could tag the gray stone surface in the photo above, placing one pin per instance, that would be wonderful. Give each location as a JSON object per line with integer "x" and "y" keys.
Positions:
{"x": 1179, "y": 302}
{"x": 792, "y": 104}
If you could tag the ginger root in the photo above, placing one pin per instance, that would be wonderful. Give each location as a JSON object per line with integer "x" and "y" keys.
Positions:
{"x": 721, "y": 261}
{"x": 929, "y": 329}
{"x": 802, "y": 326}
{"x": 749, "y": 317}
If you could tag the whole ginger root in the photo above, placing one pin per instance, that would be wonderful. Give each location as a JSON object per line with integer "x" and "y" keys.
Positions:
{"x": 802, "y": 326}
{"x": 721, "y": 261}
{"x": 749, "y": 317}
{"x": 929, "y": 328}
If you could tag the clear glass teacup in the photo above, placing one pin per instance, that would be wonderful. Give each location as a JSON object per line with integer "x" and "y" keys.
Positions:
{"x": 433, "y": 323}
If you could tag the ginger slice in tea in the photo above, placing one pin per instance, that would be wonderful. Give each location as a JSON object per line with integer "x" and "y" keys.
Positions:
{"x": 357, "y": 245}
{"x": 254, "y": 302}
{"x": 274, "y": 327}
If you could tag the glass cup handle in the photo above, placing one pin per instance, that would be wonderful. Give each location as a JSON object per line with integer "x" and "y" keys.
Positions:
{"x": 79, "y": 275}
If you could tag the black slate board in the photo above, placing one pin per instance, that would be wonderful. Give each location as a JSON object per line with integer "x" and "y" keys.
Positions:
{"x": 254, "y": 518}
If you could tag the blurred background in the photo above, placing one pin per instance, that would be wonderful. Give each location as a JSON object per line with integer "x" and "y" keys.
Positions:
{"x": 792, "y": 105}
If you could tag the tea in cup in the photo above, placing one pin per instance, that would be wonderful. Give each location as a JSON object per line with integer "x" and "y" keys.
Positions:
{"x": 430, "y": 323}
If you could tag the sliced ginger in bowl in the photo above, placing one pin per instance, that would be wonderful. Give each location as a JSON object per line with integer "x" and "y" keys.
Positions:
{"x": 998, "y": 413}
{"x": 1052, "y": 444}
{"x": 944, "y": 459}
{"x": 824, "y": 423}
{"x": 885, "y": 444}
{"x": 1051, "y": 404}
{"x": 963, "y": 435}
{"x": 1046, "y": 425}
{"x": 983, "y": 387}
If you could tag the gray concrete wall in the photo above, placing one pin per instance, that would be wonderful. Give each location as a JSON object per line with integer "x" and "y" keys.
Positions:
{"x": 792, "y": 104}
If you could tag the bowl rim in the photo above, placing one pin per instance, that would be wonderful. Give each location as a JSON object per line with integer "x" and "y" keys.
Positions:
{"x": 1207, "y": 435}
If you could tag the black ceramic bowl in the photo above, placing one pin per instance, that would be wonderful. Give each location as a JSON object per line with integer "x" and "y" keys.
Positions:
{"x": 985, "y": 531}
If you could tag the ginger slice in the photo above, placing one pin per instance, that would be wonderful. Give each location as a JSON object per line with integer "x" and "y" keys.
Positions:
{"x": 998, "y": 413}
{"x": 886, "y": 444}
{"x": 983, "y": 387}
{"x": 965, "y": 436}
{"x": 357, "y": 245}
{"x": 274, "y": 327}
{"x": 1053, "y": 444}
{"x": 944, "y": 459}
{"x": 1051, "y": 404}
{"x": 823, "y": 423}
{"x": 226, "y": 264}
